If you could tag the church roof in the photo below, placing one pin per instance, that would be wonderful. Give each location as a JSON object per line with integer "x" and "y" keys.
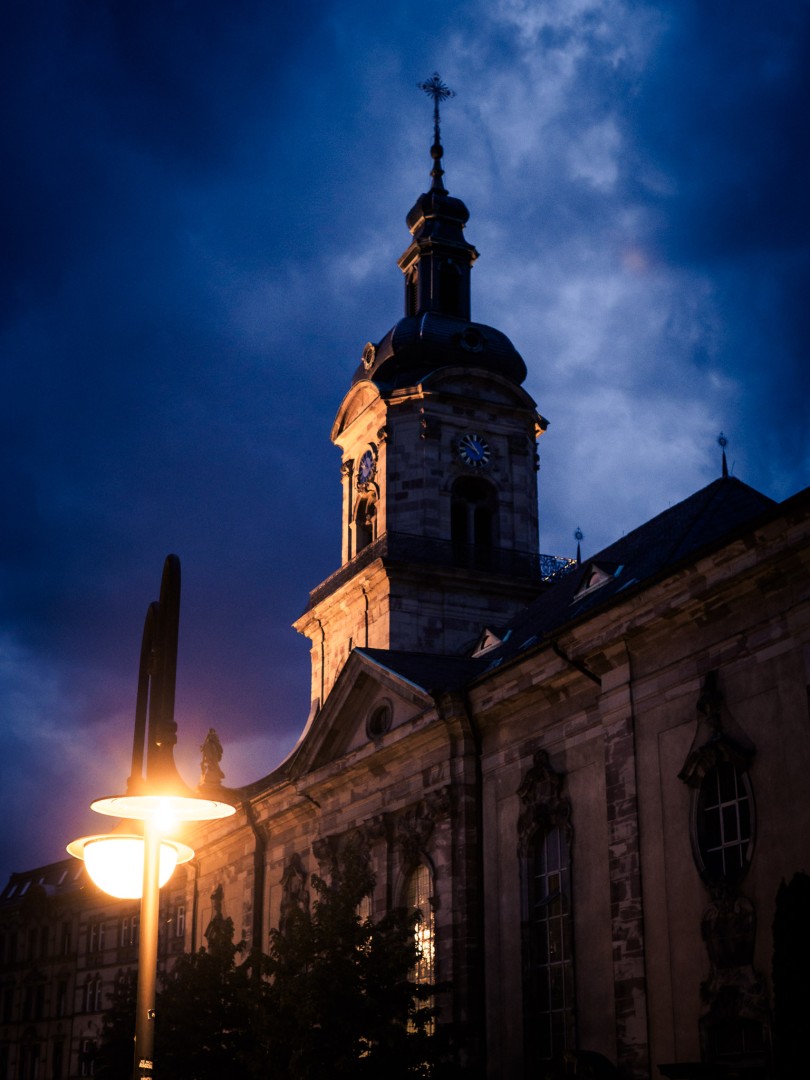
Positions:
{"x": 679, "y": 535}
{"x": 431, "y": 672}
{"x": 419, "y": 344}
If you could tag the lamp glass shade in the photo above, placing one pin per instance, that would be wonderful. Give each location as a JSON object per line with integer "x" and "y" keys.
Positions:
{"x": 115, "y": 862}
{"x": 161, "y": 808}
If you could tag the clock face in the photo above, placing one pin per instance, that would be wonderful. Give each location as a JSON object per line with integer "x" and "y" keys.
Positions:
{"x": 366, "y": 468}
{"x": 474, "y": 451}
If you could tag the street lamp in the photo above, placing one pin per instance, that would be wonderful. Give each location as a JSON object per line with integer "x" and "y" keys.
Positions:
{"x": 155, "y": 804}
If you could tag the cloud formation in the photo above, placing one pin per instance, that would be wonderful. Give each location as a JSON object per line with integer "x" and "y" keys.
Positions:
{"x": 201, "y": 217}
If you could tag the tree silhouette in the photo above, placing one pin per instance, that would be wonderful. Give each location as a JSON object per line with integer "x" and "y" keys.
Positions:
{"x": 341, "y": 994}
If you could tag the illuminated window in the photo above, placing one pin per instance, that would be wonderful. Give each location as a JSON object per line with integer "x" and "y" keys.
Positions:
{"x": 93, "y": 994}
{"x": 95, "y": 937}
{"x": 180, "y": 921}
{"x": 418, "y": 897}
{"x": 129, "y": 931}
{"x": 550, "y": 967}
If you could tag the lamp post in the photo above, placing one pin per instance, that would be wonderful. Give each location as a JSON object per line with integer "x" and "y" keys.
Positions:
{"x": 155, "y": 803}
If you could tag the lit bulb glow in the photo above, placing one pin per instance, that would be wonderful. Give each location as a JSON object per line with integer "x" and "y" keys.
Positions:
{"x": 115, "y": 862}
{"x": 159, "y": 807}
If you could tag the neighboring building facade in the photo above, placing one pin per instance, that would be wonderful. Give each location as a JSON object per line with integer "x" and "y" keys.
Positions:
{"x": 591, "y": 779}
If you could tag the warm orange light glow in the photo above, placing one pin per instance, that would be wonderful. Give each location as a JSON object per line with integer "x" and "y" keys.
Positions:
{"x": 159, "y": 808}
{"x": 115, "y": 861}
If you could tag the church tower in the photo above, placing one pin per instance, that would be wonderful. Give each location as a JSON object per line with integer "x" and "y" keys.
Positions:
{"x": 438, "y": 443}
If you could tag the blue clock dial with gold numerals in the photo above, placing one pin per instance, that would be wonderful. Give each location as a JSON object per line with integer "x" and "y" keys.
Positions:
{"x": 366, "y": 468}
{"x": 474, "y": 451}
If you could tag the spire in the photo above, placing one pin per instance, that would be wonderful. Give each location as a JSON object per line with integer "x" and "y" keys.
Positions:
{"x": 722, "y": 442}
{"x": 579, "y": 536}
{"x": 437, "y": 328}
{"x": 435, "y": 88}
{"x": 437, "y": 263}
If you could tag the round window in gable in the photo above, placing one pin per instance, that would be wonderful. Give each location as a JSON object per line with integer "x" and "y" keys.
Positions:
{"x": 379, "y": 720}
{"x": 723, "y": 824}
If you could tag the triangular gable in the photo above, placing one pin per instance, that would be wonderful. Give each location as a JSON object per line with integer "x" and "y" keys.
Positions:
{"x": 595, "y": 575}
{"x": 367, "y": 703}
{"x": 487, "y": 640}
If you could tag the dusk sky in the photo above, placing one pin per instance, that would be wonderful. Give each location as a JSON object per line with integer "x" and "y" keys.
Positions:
{"x": 202, "y": 207}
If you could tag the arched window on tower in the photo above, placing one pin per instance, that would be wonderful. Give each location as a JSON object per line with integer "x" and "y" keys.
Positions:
{"x": 412, "y": 292}
{"x": 449, "y": 288}
{"x": 473, "y": 517}
{"x": 365, "y": 523}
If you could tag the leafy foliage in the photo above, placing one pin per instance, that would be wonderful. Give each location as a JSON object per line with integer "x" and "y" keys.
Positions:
{"x": 340, "y": 990}
{"x": 334, "y": 997}
{"x": 207, "y": 1013}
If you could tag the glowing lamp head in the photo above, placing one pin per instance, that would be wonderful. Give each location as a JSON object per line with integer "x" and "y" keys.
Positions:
{"x": 115, "y": 862}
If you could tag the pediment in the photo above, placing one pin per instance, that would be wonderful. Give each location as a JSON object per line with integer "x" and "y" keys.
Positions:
{"x": 359, "y": 398}
{"x": 366, "y": 707}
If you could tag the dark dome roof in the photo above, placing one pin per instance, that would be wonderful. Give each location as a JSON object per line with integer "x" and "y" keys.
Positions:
{"x": 419, "y": 344}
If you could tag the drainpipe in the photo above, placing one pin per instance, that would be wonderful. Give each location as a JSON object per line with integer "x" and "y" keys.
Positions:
{"x": 259, "y": 862}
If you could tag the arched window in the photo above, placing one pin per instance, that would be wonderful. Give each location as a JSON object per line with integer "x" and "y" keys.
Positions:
{"x": 365, "y": 523}
{"x": 412, "y": 293}
{"x": 449, "y": 288}
{"x": 550, "y": 962}
{"x": 418, "y": 898}
{"x": 473, "y": 510}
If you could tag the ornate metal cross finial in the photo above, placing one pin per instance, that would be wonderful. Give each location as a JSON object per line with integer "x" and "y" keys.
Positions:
{"x": 435, "y": 88}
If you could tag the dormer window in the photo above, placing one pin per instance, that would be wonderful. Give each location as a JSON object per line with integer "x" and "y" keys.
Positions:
{"x": 596, "y": 575}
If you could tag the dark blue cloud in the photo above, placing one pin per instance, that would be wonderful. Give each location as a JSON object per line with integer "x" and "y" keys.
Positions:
{"x": 200, "y": 221}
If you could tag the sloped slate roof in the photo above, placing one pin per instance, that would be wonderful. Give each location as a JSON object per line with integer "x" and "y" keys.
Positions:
{"x": 681, "y": 533}
{"x": 431, "y": 672}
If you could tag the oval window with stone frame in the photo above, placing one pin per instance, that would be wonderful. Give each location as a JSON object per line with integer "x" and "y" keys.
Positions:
{"x": 723, "y": 823}
{"x": 379, "y": 720}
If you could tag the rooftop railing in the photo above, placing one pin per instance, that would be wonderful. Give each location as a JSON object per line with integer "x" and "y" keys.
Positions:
{"x": 428, "y": 551}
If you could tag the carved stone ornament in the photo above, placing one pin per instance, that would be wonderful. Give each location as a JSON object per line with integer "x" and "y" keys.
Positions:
{"x": 384, "y": 434}
{"x": 346, "y": 467}
{"x": 211, "y": 750}
{"x": 325, "y": 850}
{"x": 415, "y": 827}
{"x": 431, "y": 427}
{"x": 544, "y": 806}
{"x": 734, "y": 993}
{"x": 294, "y": 892}
{"x": 713, "y": 744}
{"x": 219, "y": 932}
